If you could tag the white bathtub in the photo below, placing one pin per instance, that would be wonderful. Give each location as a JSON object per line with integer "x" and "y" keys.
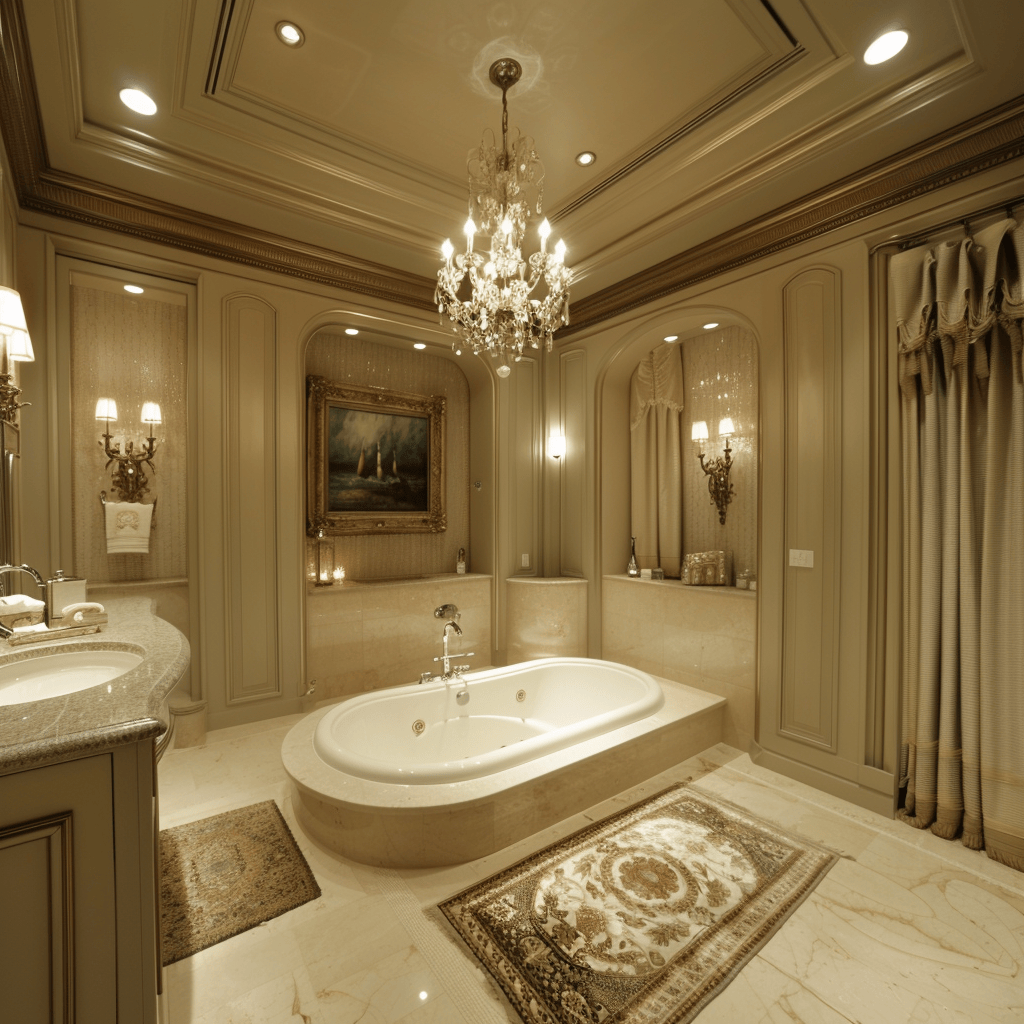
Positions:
{"x": 484, "y": 722}
{"x": 473, "y": 777}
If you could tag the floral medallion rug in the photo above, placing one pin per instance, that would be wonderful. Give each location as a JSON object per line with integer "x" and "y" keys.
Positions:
{"x": 223, "y": 875}
{"x": 643, "y": 917}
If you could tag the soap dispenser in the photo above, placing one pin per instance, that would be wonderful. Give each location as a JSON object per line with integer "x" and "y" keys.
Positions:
{"x": 62, "y": 592}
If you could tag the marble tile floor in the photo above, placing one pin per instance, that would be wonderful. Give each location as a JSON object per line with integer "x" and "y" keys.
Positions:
{"x": 905, "y": 928}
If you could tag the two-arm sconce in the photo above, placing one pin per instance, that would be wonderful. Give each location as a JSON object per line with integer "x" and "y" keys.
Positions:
{"x": 717, "y": 470}
{"x": 128, "y": 480}
{"x": 17, "y": 348}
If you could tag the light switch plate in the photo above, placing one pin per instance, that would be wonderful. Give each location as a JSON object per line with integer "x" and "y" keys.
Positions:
{"x": 800, "y": 558}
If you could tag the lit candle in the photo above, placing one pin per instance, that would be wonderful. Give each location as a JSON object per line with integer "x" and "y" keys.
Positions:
{"x": 470, "y": 232}
{"x": 560, "y": 251}
{"x": 447, "y": 249}
{"x": 544, "y": 230}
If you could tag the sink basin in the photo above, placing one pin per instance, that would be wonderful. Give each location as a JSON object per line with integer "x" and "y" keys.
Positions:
{"x": 58, "y": 674}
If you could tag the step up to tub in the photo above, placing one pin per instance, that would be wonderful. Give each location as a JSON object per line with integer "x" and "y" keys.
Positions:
{"x": 432, "y": 825}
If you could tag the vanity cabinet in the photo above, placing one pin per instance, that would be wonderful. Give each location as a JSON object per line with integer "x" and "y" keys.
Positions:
{"x": 78, "y": 912}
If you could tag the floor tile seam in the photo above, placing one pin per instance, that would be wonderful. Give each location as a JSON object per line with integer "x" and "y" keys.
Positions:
{"x": 452, "y": 969}
{"x": 886, "y": 829}
{"x": 822, "y": 997}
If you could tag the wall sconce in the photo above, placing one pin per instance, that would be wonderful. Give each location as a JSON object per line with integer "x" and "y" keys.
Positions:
{"x": 17, "y": 348}
{"x": 556, "y": 446}
{"x": 717, "y": 470}
{"x": 128, "y": 480}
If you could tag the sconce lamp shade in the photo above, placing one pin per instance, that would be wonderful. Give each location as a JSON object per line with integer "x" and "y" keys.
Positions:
{"x": 14, "y": 328}
{"x": 556, "y": 446}
{"x": 106, "y": 409}
{"x": 699, "y": 431}
{"x": 150, "y": 412}
{"x": 725, "y": 428}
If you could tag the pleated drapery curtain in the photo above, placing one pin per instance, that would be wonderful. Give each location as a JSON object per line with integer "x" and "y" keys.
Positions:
{"x": 655, "y": 439}
{"x": 959, "y": 308}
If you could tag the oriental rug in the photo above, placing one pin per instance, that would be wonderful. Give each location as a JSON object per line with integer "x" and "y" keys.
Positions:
{"x": 223, "y": 875}
{"x": 643, "y": 917}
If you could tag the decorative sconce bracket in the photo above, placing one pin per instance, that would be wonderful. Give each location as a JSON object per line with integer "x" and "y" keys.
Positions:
{"x": 719, "y": 487}
{"x": 128, "y": 479}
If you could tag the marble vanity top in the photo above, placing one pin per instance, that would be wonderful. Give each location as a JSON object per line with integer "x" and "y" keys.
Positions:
{"x": 125, "y": 710}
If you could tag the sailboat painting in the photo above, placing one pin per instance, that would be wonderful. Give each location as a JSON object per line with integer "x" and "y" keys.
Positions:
{"x": 376, "y": 460}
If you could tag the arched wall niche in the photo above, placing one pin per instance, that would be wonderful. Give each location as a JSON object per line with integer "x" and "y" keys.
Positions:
{"x": 612, "y": 406}
{"x": 378, "y": 628}
{"x": 704, "y": 637}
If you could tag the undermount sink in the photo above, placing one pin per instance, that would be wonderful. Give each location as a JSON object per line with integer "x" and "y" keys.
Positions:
{"x": 58, "y": 674}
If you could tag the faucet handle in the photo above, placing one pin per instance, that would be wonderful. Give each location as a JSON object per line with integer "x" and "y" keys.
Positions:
{"x": 447, "y": 611}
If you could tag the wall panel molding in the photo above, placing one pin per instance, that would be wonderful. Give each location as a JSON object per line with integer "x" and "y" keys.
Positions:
{"x": 572, "y": 378}
{"x": 250, "y": 497}
{"x": 813, "y": 515}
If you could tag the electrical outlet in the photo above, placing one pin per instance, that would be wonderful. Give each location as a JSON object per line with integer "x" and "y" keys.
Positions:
{"x": 801, "y": 559}
{"x": 526, "y": 561}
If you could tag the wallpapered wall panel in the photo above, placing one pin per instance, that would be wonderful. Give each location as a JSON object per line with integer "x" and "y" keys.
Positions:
{"x": 720, "y": 378}
{"x": 132, "y": 349}
{"x": 349, "y": 360}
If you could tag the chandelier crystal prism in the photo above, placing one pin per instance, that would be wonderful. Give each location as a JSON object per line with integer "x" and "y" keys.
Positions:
{"x": 496, "y": 302}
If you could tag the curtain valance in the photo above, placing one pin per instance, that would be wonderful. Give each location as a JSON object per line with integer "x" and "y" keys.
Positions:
{"x": 953, "y": 294}
{"x": 657, "y": 380}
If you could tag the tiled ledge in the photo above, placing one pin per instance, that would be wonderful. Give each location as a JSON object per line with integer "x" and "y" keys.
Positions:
{"x": 679, "y": 585}
{"x": 312, "y": 590}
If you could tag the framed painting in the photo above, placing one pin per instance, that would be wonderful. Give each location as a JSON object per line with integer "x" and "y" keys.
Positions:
{"x": 375, "y": 460}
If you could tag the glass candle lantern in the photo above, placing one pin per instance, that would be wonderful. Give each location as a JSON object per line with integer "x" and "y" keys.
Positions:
{"x": 324, "y": 559}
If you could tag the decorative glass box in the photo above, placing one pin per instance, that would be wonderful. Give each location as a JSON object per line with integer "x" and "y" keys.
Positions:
{"x": 706, "y": 569}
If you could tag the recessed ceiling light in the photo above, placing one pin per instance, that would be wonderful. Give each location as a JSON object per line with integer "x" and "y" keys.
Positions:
{"x": 586, "y": 158}
{"x": 671, "y": 337}
{"x": 289, "y": 33}
{"x": 885, "y": 46}
{"x": 137, "y": 100}
{"x": 419, "y": 344}
{"x": 351, "y": 330}
{"x": 710, "y": 327}
{"x": 134, "y": 289}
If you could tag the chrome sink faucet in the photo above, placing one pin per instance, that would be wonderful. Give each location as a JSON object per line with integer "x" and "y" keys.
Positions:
{"x": 4, "y": 570}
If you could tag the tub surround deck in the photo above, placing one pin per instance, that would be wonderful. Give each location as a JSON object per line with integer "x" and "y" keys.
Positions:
{"x": 124, "y": 710}
{"x": 434, "y": 825}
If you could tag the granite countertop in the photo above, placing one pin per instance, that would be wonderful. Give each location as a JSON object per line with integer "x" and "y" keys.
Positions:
{"x": 125, "y": 710}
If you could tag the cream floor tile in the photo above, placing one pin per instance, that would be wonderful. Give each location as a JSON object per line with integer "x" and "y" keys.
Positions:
{"x": 391, "y": 990}
{"x": 762, "y": 994}
{"x": 288, "y": 999}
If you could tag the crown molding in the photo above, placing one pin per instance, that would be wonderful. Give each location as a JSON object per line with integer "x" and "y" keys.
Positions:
{"x": 976, "y": 145}
{"x": 993, "y": 138}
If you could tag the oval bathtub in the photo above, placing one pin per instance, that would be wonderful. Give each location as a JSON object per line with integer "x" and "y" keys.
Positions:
{"x": 480, "y": 774}
{"x": 483, "y": 722}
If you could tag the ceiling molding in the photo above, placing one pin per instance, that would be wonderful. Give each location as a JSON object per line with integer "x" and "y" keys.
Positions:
{"x": 970, "y": 148}
{"x": 977, "y": 145}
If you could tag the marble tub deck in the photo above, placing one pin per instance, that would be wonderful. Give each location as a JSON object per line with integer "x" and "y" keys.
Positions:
{"x": 434, "y": 825}
{"x": 906, "y": 927}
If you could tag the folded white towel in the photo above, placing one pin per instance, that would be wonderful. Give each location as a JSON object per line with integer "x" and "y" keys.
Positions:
{"x": 18, "y": 604}
{"x": 128, "y": 526}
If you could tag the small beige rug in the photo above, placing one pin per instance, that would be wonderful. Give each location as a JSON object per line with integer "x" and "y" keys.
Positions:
{"x": 643, "y": 917}
{"x": 223, "y": 875}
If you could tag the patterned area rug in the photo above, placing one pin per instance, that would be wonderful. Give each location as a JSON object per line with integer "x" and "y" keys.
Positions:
{"x": 224, "y": 875}
{"x": 643, "y": 917}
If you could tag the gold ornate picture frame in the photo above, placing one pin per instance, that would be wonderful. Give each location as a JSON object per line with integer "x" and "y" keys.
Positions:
{"x": 375, "y": 460}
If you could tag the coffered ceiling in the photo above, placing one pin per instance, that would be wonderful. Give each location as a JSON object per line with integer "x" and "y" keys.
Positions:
{"x": 350, "y": 150}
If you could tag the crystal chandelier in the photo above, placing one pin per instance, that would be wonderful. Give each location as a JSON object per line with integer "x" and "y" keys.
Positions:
{"x": 500, "y": 314}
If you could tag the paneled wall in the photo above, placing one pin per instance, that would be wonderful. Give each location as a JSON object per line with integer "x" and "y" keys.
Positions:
{"x": 133, "y": 349}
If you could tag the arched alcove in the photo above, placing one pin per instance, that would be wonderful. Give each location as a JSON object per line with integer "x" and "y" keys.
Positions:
{"x": 377, "y": 628}
{"x": 702, "y": 636}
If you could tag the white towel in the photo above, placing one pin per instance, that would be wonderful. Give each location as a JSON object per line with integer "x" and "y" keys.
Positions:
{"x": 20, "y": 604}
{"x": 128, "y": 526}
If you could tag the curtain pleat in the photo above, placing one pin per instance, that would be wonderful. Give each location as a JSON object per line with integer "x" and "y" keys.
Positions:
{"x": 656, "y": 487}
{"x": 959, "y": 310}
